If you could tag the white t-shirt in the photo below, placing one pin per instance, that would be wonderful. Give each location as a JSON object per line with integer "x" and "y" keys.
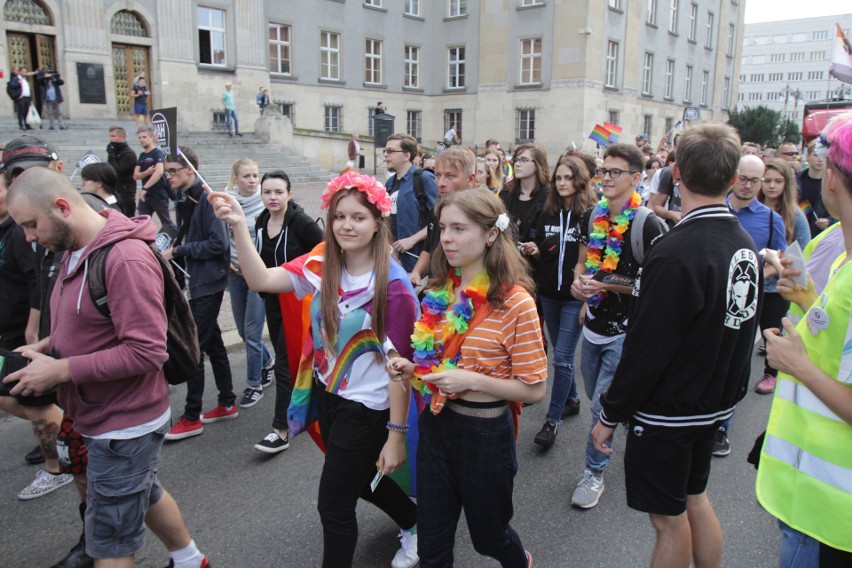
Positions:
{"x": 25, "y": 87}
{"x": 367, "y": 380}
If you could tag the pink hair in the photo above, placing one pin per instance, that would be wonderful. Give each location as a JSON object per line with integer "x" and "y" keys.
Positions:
{"x": 838, "y": 132}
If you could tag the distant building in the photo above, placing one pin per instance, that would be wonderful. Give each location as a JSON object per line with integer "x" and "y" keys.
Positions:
{"x": 785, "y": 64}
{"x": 515, "y": 70}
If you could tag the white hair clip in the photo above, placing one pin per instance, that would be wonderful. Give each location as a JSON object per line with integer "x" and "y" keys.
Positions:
{"x": 502, "y": 222}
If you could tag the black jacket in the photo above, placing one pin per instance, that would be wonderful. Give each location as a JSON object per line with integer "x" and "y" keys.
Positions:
{"x": 18, "y": 280}
{"x": 123, "y": 160}
{"x": 525, "y": 228}
{"x": 546, "y": 269}
{"x": 686, "y": 360}
{"x": 298, "y": 236}
{"x": 206, "y": 247}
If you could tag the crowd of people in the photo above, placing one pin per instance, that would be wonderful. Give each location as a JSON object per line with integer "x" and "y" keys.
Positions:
{"x": 411, "y": 330}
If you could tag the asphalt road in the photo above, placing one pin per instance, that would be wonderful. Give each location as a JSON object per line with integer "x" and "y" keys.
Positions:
{"x": 245, "y": 509}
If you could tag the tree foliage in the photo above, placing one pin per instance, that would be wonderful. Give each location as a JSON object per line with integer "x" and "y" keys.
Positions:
{"x": 757, "y": 124}
{"x": 789, "y": 132}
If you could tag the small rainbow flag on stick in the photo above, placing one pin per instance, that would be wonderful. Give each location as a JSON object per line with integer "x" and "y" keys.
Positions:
{"x": 615, "y": 132}
{"x": 806, "y": 208}
{"x": 600, "y": 134}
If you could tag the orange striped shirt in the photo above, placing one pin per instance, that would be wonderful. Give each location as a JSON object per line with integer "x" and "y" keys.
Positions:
{"x": 508, "y": 343}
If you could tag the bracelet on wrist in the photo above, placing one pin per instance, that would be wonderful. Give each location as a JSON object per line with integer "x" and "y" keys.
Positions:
{"x": 397, "y": 427}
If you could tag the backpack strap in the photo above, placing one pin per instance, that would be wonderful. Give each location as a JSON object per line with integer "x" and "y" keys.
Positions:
{"x": 96, "y": 279}
{"x": 422, "y": 203}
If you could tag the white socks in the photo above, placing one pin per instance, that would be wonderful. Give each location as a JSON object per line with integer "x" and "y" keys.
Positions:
{"x": 189, "y": 557}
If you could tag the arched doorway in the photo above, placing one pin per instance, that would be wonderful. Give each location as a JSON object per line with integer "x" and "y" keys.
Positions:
{"x": 128, "y": 61}
{"x": 29, "y": 39}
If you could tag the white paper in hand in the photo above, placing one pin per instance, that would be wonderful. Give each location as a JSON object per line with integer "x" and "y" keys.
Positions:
{"x": 794, "y": 252}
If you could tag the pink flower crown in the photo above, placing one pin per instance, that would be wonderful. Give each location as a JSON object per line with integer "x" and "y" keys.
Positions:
{"x": 375, "y": 192}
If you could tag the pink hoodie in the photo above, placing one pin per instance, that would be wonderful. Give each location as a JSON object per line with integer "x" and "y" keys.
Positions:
{"x": 116, "y": 364}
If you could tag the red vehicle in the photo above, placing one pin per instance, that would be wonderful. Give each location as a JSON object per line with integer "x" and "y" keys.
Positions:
{"x": 818, "y": 113}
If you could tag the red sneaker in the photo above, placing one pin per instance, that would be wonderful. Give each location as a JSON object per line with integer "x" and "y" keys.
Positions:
{"x": 185, "y": 429}
{"x": 220, "y": 413}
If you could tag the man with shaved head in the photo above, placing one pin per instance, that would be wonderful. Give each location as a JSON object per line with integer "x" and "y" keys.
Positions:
{"x": 108, "y": 370}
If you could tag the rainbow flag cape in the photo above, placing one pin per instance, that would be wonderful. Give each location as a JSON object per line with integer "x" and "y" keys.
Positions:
{"x": 615, "y": 131}
{"x": 600, "y": 134}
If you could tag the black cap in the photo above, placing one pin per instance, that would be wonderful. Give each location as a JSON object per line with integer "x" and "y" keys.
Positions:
{"x": 27, "y": 151}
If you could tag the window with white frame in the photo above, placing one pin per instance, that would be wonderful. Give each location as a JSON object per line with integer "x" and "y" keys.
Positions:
{"x": 647, "y": 125}
{"x": 532, "y": 3}
{"x": 279, "y": 48}
{"x": 211, "y": 36}
{"x": 796, "y": 76}
{"x": 458, "y": 8}
{"x": 732, "y": 35}
{"x": 373, "y": 3}
{"x": 333, "y": 118}
{"x": 687, "y": 85}
{"x": 411, "y": 67}
{"x": 288, "y": 109}
{"x": 453, "y": 116}
{"x": 817, "y": 36}
{"x": 669, "y": 124}
{"x": 756, "y": 78}
{"x": 773, "y": 96}
{"x": 776, "y": 77}
{"x": 797, "y": 56}
{"x": 414, "y": 124}
{"x": 651, "y": 16}
{"x": 373, "y": 62}
{"x": 705, "y": 81}
{"x": 611, "y": 64}
{"x": 726, "y": 93}
{"x": 693, "y": 21}
{"x": 531, "y": 61}
{"x": 673, "y": 9}
{"x": 708, "y": 39}
{"x": 799, "y": 37}
{"x": 648, "y": 74}
{"x": 814, "y": 75}
{"x": 776, "y": 58}
{"x": 371, "y": 112}
{"x": 670, "y": 64}
{"x": 329, "y": 56}
{"x": 412, "y": 8}
{"x": 524, "y": 125}
{"x": 615, "y": 4}
{"x": 817, "y": 55}
{"x": 455, "y": 67}
{"x": 613, "y": 117}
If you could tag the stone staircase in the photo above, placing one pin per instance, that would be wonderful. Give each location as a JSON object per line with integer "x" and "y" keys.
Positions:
{"x": 216, "y": 151}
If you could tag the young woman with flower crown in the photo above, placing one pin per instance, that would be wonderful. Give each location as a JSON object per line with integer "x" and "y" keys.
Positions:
{"x": 362, "y": 312}
{"x": 477, "y": 346}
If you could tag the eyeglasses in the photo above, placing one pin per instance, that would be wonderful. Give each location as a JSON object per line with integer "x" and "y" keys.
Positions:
{"x": 523, "y": 160}
{"x": 790, "y": 153}
{"x": 387, "y": 151}
{"x": 173, "y": 171}
{"x": 744, "y": 180}
{"x": 614, "y": 173}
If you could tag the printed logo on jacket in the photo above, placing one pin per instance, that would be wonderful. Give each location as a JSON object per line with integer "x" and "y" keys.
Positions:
{"x": 742, "y": 288}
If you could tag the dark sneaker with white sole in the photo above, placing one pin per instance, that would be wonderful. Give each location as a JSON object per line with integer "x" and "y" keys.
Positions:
{"x": 273, "y": 443}
{"x": 251, "y": 397}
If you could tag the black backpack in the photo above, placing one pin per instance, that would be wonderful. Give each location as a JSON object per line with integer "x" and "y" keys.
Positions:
{"x": 13, "y": 89}
{"x": 181, "y": 334}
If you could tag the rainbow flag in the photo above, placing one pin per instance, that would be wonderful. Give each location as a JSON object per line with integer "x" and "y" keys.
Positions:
{"x": 600, "y": 134}
{"x": 806, "y": 207}
{"x": 615, "y": 131}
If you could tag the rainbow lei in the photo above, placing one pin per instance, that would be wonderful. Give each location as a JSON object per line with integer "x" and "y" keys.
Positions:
{"x": 428, "y": 349}
{"x": 607, "y": 239}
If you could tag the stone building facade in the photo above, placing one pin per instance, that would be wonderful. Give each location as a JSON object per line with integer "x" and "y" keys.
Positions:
{"x": 515, "y": 70}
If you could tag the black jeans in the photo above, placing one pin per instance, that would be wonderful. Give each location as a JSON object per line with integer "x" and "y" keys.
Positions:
{"x": 205, "y": 310}
{"x": 23, "y": 106}
{"x": 126, "y": 201}
{"x": 466, "y": 463}
{"x": 774, "y": 308}
{"x": 353, "y": 435}
{"x": 160, "y": 205}
{"x": 283, "y": 384}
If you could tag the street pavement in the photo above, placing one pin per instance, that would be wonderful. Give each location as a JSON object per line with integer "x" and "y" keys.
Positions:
{"x": 248, "y": 510}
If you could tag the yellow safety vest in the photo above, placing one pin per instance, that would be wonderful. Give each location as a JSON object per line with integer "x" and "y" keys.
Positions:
{"x": 805, "y": 473}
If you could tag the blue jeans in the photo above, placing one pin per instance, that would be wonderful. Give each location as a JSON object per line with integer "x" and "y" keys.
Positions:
{"x": 798, "y": 550}
{"x": 229, "y": 114}
{"x": 249, "y": 315}
{"x": 563, "y": 328}
{"x": 598, "y": 365}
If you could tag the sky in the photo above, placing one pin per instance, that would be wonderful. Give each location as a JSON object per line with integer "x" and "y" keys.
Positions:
{"x": 776, "y": 10}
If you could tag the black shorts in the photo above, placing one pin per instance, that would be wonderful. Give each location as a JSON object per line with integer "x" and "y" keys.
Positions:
{"x": 663, "y": 465}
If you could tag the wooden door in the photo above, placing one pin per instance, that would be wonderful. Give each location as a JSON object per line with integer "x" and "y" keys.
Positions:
{"x": 127, "y": 62}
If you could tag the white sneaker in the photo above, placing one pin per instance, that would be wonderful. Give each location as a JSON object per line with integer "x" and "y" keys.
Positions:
{"x": 43, "y": 484}
{"x": 588, "y": 491}
{"x": 406, "y": 556}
